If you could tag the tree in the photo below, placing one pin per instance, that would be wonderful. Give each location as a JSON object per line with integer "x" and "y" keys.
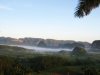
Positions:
{"x": 77, "y": 51}
{"x": 85, "y": 7}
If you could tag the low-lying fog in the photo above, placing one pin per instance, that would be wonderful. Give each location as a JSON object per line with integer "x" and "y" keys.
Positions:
{"x": 43, "y": 49}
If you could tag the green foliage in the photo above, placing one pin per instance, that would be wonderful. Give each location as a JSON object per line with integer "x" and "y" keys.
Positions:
{"x": 77, "y": 51}
{"x": 51, "y": 64}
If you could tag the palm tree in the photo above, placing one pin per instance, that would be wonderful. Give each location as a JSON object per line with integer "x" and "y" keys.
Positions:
{"x": 85, "y": 7}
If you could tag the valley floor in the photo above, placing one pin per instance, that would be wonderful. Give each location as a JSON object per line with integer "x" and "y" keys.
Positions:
{"x": 18, "y": 61}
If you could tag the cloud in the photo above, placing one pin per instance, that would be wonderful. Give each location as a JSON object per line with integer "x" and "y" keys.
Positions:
{"x": 2, "y": 8}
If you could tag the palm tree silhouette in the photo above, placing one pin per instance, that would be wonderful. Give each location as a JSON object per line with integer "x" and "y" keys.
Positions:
{"x": 85, "y": 7}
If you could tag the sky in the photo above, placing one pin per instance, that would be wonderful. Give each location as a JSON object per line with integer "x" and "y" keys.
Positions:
{"x": 48, "y": 19}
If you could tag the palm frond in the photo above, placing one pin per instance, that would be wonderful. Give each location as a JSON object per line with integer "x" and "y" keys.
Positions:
{"x": 85, "y": 7}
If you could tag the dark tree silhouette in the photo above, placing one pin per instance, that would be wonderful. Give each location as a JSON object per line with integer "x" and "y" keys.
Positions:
{"x": 77, "y": 51}
{"x": 85, "y": 7}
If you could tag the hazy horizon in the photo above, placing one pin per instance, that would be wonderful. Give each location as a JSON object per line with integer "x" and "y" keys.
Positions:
{"x": 48, "y": 38}
{"x": 47, "y": 19}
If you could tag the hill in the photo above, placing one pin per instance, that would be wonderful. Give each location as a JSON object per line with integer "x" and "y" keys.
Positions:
{"x": 49, "y": 43}
{"x": 14, "y": 51}
{"x": 95, "y": 46}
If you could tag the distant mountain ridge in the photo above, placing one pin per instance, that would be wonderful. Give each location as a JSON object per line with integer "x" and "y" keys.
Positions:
{"x": 95, "y": 46}
{"x": 51, "y": 43}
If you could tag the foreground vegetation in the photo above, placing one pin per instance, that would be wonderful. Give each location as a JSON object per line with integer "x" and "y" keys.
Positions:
{"x": 60, "y": 63}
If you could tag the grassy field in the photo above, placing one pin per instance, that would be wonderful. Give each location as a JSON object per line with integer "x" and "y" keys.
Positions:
{"x": 20, "y": 61}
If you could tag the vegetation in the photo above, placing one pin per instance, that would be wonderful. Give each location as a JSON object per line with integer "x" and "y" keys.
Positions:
{"x": 79, "y": 51}
{"x": 50, "y": 64}
{"x": 85, "y": 7}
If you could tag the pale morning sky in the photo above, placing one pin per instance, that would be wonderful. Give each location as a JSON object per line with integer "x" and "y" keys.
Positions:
{"x": 47, "y": 19}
